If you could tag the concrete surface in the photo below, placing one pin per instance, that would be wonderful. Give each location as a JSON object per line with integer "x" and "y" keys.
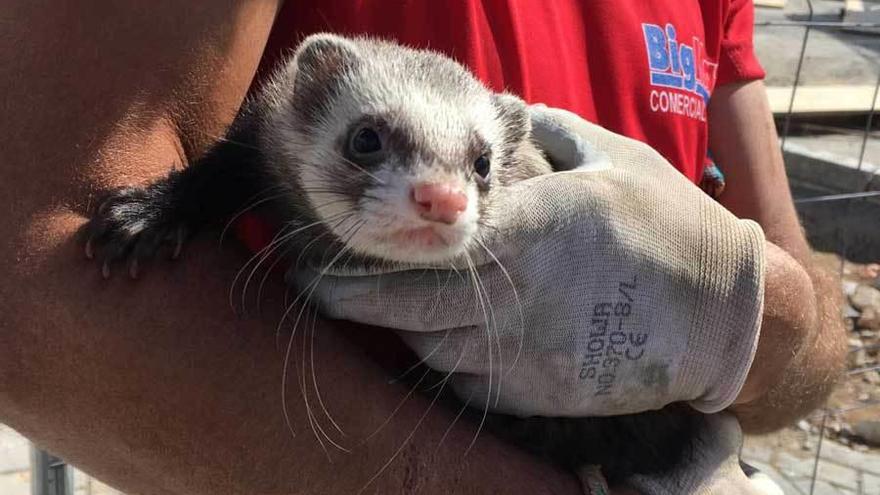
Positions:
{"x": 15, "y": 476}
{"x": 840, "y": 471}
{"x": 833, "y": 55}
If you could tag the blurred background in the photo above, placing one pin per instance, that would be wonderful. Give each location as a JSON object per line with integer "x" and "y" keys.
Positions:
{"x": 823, "y": 73}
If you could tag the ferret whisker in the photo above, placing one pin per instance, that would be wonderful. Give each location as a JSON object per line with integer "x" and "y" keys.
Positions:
{"x": 281, "y": 233}
{"x": 316, "y": 426}
{"x": 440, "y": 290}
{"x": 236, "y": 143}
{"x": 296, "y": 265}
{"x": 400, "y": 404}
{"x": 449, "y": 375}
{"x": 275, "y": 263}
{"x": 338, "y": 256}
{"x": 225, "y": 139}
{"x": 278, "y": 259}
{"x": 361, "y": 169}
{"x": 318, "y": 429}
{"x": 251, "y": 203}
{"x": 405, "y": 441}
{"x": 305, "y": 306}
{"x": 461, "y": 411}
{"x": 421, "y": 361}
{"x": 493, "y": 331}
{"x": 258, "y": 259}
{"x": 443, "y": 384}
{"x": 424, "y": 359}
{"x": 284, "y": 410}
{"x": 273, "y": 247}
{"x": 519, "y": 307}
{"x": 472, "y": 270}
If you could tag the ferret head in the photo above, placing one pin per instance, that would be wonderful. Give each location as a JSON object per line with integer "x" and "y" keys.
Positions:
{"x": 395, "y": 151}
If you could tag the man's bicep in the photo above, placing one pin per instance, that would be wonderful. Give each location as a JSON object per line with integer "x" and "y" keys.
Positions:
{"x": 101, "y": 89}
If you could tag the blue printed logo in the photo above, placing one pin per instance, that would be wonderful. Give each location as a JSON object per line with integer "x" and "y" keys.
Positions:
{"x": 677, "y": 65}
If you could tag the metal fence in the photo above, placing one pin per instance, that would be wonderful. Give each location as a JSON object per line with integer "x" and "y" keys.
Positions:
{"x": 808, "y": 18}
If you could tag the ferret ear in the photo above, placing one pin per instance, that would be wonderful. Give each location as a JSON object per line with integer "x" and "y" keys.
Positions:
{"x": 514, "y": 114}
{"x": 321, "y": 62}
{"x": 324, "y": 56}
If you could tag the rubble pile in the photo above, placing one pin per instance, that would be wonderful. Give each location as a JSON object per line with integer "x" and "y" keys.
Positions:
{"x": 855, "y": 406}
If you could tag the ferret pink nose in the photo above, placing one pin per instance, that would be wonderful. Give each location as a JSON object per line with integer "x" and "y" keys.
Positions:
{"x": 439, "y": 202}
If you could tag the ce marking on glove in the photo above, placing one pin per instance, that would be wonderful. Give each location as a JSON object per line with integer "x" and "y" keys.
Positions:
{"x": 611, "y": 341}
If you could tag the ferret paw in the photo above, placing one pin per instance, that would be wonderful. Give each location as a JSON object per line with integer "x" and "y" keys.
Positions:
{"x": 129, "y": 226}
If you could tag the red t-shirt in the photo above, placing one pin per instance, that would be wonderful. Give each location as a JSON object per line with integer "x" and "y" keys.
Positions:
{"x": 641, "y": 68}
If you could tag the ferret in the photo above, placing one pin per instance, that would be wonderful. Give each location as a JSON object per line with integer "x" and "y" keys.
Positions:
{"x": 396, "y": 156}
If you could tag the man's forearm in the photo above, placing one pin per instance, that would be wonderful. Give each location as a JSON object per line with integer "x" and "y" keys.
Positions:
{"x": 802, "y": 345}
{"x": 801, "y": 353}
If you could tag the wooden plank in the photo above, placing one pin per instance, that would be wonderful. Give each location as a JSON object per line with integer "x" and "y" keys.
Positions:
{"x": 843, "y": 98}
{"x": 776, "y": 4}
{"x": 862, "y": 12}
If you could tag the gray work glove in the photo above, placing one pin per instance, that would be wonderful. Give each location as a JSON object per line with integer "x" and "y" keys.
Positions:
{"x": 608, "y": 290}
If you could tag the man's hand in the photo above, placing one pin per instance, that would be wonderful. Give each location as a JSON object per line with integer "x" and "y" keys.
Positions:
{"x": 603, "y": 292}
{"x": 803, "y": 343}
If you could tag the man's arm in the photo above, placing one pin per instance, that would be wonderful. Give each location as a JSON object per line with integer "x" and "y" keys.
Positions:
{"x": 802, "y": 347}
{"x": 155, "y": 386}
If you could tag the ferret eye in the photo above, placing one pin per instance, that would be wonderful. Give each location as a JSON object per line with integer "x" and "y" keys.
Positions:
{"x": 482, "y": 166}
{"x": 366, "y": 141}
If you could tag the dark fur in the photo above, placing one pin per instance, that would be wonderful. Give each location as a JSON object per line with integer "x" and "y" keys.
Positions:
{"x": 133, "y": 222}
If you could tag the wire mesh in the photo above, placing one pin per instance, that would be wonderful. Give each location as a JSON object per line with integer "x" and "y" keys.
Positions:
{"x": 806, "y": 17}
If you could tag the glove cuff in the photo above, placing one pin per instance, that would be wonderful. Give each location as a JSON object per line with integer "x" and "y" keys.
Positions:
{"x": 727, "y": 310}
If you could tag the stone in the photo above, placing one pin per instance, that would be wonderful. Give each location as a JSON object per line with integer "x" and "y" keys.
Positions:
{"x": 870, "y": 484}
{"x": 15, "y": 451}
{"x": 86, "y": 485}
{"x": 858, "y": 358}
{"x": 849, "y": 311}
{"x": 15, "y": 483}
{"x": 864, "y": 296}
{"x": 849, "y": 287}
{"x": 753, "y": 452}
{"x": 774, "y": 475}
{"x": 871, "y": 270}
{"x": 863, "y": 461}
{"x": 869, "y": 431}
{"x": 869, "y": 319}
{"x": 820, "y": 488}
{"x": 794, "y": 467}
{"x": 837, "y": 475}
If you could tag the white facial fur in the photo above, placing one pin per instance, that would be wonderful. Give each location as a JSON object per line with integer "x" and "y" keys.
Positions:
{"x": 442, "y": 116}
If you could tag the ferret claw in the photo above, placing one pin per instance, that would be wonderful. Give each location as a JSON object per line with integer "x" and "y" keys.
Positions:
{"x": 123, "y": 231}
